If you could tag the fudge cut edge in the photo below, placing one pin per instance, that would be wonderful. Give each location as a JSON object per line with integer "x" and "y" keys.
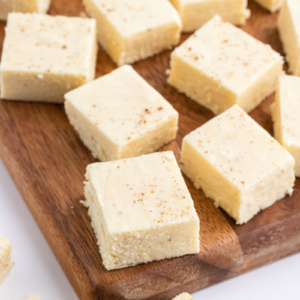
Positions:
{"x": 129, "y": 248}
{"x": 129, "y": 49}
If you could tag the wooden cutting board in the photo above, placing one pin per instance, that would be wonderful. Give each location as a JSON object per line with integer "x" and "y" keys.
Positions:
{"x": 47, "y": 161}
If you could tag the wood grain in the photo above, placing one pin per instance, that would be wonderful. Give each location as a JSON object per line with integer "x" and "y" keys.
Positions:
{"x": 47, "y": 161}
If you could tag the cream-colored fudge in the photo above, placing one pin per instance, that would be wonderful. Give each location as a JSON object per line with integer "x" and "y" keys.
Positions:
{"x": 7, "y": 6}
{"x": 120, "y": 115}
{"x": 194, "y": 13}
{"x": 286, "y": 117}
{"x": 221, "y": 65}
{"x": 183, "y": 296}
{"x": 270, "y": 5}
{"x": 133, "y": 30}
{"x": 46, "y": 56}
{"x": 5, "y": 258}
{"x": 141, "y": 210}
{"x": 289, "y": 30}
{"x": 237, "y": 164}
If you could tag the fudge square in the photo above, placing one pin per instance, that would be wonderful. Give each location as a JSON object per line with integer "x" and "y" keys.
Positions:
{"x": 221, "y": 65}
{"x": 141, "y": 210}
{"x": 194, "y": 13}
{"x": 237, "y": 164}
{"x": 46, "y": 56}
{"x": 285, "y": 114}
{"x": 120, "y": 115}
{"x": 289, "y": 30}
{"x": 183, "y": 296}
{"x": 133, "y": 30}
{"x": 5, "y": 258}
{"x": 271, "y": 5}
{"x": 7, "y": 6}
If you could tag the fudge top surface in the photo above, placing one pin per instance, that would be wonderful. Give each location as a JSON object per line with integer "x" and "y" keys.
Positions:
{"x": 48, "y": 44}
{"x": 228, "y": 55}
{"x": 239, "y": 148}
{"x": 122, "y": 105}
{"x": 142, "y": 192}
{"x": 136, "y": 16}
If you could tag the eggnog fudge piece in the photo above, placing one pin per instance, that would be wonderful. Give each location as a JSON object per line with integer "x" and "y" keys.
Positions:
{"x": 237, "y": 164}
{"x": 194, "y": 13}
{"x": 289, "y": 30}
{"x": 5, "y": 258}
{"x": 133, "y": 30}
{"x": 7, "y": 6}
{"x": 141, "y": 210}
{"x": 285, "y": 114}
{"x": 46, "y": 56}
{"x": 183, "y": 296}
{"x": 221, "y": 65}
{"x": 271, "y": 5}
{"x": 120, "y": 115}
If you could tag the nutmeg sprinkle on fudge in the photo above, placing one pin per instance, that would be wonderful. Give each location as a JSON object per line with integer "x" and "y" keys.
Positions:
{"x": 220, "y": 65}
{"x": 120, "y": 115}
{"x": 194, "y": 13}
{"x": 237, "y": 164}
{"x": 45, "y": 57}
{"x": 133, "y": 30}
{"x": 141, "y": 210}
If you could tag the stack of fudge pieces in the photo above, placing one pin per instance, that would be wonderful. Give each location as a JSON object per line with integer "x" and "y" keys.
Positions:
{"x": 139, "y": 204}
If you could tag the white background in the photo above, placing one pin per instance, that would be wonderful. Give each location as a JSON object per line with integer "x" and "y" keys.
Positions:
{"x": 37, "y": 271}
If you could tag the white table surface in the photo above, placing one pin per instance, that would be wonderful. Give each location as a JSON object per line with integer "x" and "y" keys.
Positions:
{"x": 37, "y": 271}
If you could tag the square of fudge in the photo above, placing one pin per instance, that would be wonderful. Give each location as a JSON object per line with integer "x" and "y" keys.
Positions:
{"x": 285, "y": 114}
{"x": 220, "y": 65}
{"x": 184, "y": 296}
{"x": 289, "y": 31}
{"x": 141, "y": 210}
{"x": 194, "y": 13}
{"x": 120, "y": 115}
{"x": 270, "y": 5}
{"x": 44, "y": 56}
{"x": 5, "y": 258}
{"x": 237, "y": 164}
{"x": 7, "y": 6}
{"x": 131, "y": 31}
